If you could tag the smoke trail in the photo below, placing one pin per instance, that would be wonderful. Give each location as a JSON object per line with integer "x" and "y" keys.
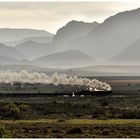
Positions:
{"x": 56, "y": 79}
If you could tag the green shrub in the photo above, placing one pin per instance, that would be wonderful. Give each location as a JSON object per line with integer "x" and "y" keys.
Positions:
{"x": 4, "y": 133}
{"x": 105, "y": 132}
{"x": 61, "y": 120}
{"x": 75, "y": 130}
{"x": 55, "y": 131}
{"x": 23, "y": 107}
{"x": 104, "y": 103}
{"x": 12, "y": 111}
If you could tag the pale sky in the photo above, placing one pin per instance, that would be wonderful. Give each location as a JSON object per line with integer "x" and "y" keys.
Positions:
{"x": 51, "y": 16}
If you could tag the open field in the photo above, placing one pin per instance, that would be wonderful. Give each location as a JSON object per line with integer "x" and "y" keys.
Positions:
{"x": 72, "y": 128}
{"x": 73, "y": 121}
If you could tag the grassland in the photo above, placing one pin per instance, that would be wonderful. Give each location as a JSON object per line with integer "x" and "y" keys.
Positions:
{"x": 67, "y": 117}
{"x": 73, "y": 121}
{"x": 73, "y": 128}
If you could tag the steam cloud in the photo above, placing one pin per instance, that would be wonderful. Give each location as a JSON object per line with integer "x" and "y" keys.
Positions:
{"x": 56, "y": 79}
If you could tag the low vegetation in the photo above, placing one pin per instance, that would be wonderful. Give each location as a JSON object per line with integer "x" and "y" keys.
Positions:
{"x": 67, "y": 117}
{"x": 52, "y": 128}
{"x": 68, "y": 108}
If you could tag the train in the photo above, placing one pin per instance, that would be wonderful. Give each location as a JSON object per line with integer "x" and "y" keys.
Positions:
{"x": 83, "y": 93}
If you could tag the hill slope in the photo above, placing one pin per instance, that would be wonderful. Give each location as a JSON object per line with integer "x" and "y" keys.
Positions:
{"x": 40, "y": 39}
{"x": 72, "y": 30}
{"x": 8, "y": 34}
{"x": 111, "y": 37}
{"x": 10, "y": 52}
{"x": 130, "y": 55}
{"x": 33, "y": 50}
{"x": 10, "y": 61}
{"x": 66, "y": 59}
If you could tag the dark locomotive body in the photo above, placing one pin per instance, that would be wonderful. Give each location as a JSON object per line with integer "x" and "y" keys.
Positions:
{"x": 92, "y": 93}
{"x": 83, "y": 93}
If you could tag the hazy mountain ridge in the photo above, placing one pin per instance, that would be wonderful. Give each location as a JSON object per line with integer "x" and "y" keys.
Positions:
{"x": 10, "y": 61}
{"x": 66, "y": 59}
{"x": 12, "y": 34}
{"x": 72, "y": 30}
{"x": 33, "y": 50}
{"x": 130, "y": 55}
{"x": 111, "y": 37}
{"x": 10, "y": 52}
{"x": 41, "y": 39}
{"x": 80, "y": 44}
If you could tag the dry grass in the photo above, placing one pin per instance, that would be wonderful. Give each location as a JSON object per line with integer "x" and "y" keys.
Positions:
{"x": 73, "y": 128}
{"x": 74, "y": 121}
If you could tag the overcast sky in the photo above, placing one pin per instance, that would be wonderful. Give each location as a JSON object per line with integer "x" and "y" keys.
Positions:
{"x": 52, "y": 16}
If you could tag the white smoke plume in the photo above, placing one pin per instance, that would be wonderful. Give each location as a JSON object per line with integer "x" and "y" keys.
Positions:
{"x": 56, "y": 79}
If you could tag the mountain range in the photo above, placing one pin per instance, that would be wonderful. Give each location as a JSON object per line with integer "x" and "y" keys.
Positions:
{"x": 8, "y": 34}
{"x": 72, "y": 30}
{"x": 78, "y": 44}
{"x": 110, "y": 37}
{"x": 37, "y": 39}
{"x": 33, "y": 50}
{"x": 10, "y": 52}
{"x": 11, "y": 61}
{"x": 66, "y": 59}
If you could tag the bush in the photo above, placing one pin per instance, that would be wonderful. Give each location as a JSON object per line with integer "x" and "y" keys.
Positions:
{"x": 75, "y": 130}
{"x": 61, "y": 120}
{"x": 12, "y": 111}
{"x": 104, "y": 103}
{"x": 4, "y": 133}
{"x": 59, "y": 136}
{"x": 105, "y": 132}
{"x": 55, "y": 131}
{"x": 78, "y": 115}
{"x": 23, "y": 107}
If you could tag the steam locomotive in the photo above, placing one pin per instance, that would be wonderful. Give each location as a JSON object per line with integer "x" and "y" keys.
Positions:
{"x": 83, "y": 93}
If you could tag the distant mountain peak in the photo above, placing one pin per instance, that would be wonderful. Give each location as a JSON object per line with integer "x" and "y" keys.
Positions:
{"x": 110, "y": 37}
{"x": 72, "y": 22}
{"x": 72, "y": 30}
